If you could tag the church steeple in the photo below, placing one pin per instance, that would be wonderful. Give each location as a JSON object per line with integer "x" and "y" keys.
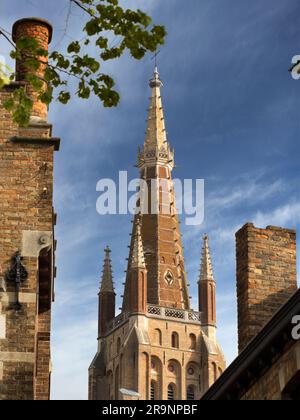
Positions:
{"x": 207, "y": 287}
{"x": 156, "y": 147}
{"x": 160, "y": 233}
{"x": 156, "y": 304}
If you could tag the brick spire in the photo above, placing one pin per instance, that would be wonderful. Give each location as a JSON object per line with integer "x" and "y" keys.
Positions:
{"x": 160, "y": 233}
{"x": 136, "y": 282}
{"x": 207, "y": 287}
{"x": 107, "y": 277}
{"x": 107, "y": 296}
{"x": 206, "y": 271}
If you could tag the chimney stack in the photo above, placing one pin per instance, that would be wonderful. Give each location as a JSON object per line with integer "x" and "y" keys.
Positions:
{"x": 41, "y": 30}
{"x": 266, "y": 276}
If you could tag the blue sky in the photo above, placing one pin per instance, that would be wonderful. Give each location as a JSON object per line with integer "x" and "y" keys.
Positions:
{"x": 232, "y": 112}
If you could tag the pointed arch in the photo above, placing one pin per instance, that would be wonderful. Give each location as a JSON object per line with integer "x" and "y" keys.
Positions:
{"x": 156, "y": 376}
{"x": 193, "y": 342}
{"x": 157, "y": 337}
{"x": 175, "y": 340}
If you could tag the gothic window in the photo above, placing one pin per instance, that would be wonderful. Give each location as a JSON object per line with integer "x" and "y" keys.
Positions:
{"x": 171, "y": 392}
{"x": 156, "y": 378}
{"x": 190, "y": 393}
{"x": 192, "y": 342}
{"x": 175, "y": 340}
{"x": 158, "y": 337}
{"x": 169, "y": 278}
{"x": 153, "y": 391}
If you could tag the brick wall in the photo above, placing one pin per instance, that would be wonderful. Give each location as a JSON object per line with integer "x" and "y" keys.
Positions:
{"x": 266, "y": 276}
{"x": 272, "y": 384}
{"x": 26, "y": 211}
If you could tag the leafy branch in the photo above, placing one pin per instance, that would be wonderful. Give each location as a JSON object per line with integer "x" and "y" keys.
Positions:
{"x": 133, "y": 31}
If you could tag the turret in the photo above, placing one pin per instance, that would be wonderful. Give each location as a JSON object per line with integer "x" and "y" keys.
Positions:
{"x": 207, "y": 288}
{"x": 137, "y": 275}
{"x": 107, "y": 296}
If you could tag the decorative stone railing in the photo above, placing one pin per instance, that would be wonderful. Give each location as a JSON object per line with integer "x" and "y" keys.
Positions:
{"x": 116, "y": 322}
{"x": 175, "y": 314}
{"x": 154, "y": 311}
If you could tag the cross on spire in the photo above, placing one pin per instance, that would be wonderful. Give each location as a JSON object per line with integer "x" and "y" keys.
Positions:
{"x": 155, "y": 57}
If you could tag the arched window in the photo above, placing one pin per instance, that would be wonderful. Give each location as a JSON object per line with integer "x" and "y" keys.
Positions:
{"x": 171, "y": 392}
{"x": 153, "y": 395}
{"x": 220, "y": 372}
{"x": 190, "y": 393}
{"x": 192, "y": 342}
{"x": 158, "y": 337}
{"x": 175, "y": 340}
{"x": 156, "y": 377}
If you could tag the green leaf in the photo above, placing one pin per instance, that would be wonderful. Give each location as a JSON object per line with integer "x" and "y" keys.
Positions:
{"x": 74, "y": 47}
{"x": 64, "y": 97}
{"x": 92, "y": 27}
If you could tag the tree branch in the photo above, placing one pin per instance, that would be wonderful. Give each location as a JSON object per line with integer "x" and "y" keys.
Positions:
{"x": 82, "y": 7}
{"x": 7, "y": 38}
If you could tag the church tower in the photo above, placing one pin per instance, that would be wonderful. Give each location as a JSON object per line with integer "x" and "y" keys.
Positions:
{"x": 158, "y": 348}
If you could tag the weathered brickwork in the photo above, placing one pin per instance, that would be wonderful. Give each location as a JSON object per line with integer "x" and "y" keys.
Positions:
{"x": 26, "y": 209}
{"x": 266, "y": 276}
{"x": 40, "y": 30}
{"x": 268, "y": 366}
{"x": 273, "y": 385}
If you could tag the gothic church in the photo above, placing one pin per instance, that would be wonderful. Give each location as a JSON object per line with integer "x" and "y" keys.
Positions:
{"x": 157, "y": 348}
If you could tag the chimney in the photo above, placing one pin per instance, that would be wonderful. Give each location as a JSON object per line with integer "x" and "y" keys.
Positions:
{"x": 266, "y": 276}
{"x": 41, "y": 30}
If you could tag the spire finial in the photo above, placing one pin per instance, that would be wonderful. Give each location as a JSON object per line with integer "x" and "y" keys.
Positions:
{"x": 206, "y": 271}
{"x": 107, "y": 277}
{"x": 155, "y": 82}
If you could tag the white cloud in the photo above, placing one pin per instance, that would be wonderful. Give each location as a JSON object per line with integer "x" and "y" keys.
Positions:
{"x": 285, "y": 216}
